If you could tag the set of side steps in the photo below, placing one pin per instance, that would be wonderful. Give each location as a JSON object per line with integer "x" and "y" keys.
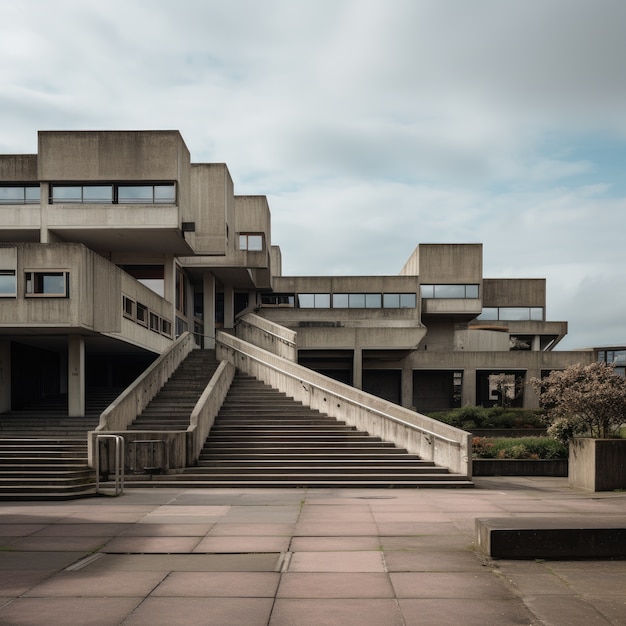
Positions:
{"x": 43, "y": 452}
{"x": 262, "y": 438}
{"x": 171, "y": 408}
{"x": 44, "y": 468}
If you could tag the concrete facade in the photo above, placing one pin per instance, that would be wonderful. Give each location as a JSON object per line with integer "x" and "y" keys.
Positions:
{"x": 113, "y": 244}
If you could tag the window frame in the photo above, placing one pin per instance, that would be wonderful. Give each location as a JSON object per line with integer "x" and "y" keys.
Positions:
{"x": 25, "y": 199}
{"x": 154, "y": 195}
{"x": 29, "y": 283}
{"x": 245, "y": 239}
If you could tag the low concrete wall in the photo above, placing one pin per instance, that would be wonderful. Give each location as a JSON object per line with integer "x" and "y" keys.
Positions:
{"x": 267, "y": 335}
{"x": 206, "y": 410}
{"x": 519, "y": 467}
{"x": 431, "y": 440}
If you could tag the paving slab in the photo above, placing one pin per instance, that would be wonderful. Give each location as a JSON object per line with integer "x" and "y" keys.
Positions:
{"x": 301, "y": 556}
{"x": 186, "y": 611}
{"x": 331, "y": 612}
{"x": 68, "y": 611}
{"x": 335, "y": 585}
{"x": 219, "y": 584}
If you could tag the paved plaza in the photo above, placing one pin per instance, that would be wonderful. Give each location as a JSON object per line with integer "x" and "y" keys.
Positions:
{"x": 291, "y": 557}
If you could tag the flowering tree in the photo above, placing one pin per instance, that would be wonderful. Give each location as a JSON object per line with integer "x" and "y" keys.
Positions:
{"x": 587, "y": 400}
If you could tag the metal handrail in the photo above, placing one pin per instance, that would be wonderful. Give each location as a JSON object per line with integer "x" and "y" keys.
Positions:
{"x": 119, "y": 463}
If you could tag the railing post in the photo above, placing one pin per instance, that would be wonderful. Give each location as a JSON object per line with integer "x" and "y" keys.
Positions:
{"x": 119, "y": 462}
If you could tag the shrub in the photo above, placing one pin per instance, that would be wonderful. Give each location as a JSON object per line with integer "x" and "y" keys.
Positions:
{"x": 583, "y": 400}
{"x": 518, "y": 448}
{"x": 471, "y": 417}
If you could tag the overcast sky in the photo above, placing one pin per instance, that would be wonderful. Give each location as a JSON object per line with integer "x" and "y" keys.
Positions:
{"x": 371, "y": 125}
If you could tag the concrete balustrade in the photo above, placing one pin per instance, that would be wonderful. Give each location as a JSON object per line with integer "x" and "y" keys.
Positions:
{"x": 431, "y": 440}
{"x": 206, "y": 410}
{"x": 268, "y": 335}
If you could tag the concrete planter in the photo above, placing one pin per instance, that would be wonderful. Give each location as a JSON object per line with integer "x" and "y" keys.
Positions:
{"x": 519, "y": 467}
{"x": 597, "y": 464}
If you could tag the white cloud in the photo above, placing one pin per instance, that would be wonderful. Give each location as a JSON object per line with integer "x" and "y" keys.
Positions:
{"x": 372, "y": 125}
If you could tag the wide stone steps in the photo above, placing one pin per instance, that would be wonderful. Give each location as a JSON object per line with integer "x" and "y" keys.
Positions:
{"x": 40, "y": 468}
{"x": 263, "y": 438}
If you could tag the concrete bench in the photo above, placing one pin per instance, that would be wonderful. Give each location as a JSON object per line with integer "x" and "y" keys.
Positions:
{"x": 552, "y": 537}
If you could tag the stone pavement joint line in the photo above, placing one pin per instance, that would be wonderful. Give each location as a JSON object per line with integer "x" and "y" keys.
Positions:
{"x": 291, "y": 557}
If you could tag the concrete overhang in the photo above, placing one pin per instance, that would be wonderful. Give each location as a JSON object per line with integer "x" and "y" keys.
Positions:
{"x": 136, "y": 239}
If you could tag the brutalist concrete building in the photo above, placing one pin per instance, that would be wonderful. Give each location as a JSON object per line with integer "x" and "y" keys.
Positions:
{"x": 114, "y": 243}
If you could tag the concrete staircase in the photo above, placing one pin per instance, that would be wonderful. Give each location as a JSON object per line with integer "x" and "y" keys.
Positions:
{"x": 262, "y": 438}
{"x": 171, "y": 408}
{"x": 43, "y": 455}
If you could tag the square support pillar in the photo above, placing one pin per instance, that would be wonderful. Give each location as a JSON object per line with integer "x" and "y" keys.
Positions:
{"x": 208, "y": 310}
{"x": 76, "y": 376}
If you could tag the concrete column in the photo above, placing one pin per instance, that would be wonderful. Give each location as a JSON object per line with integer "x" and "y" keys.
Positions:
{"x": 468, "y": 390}
{"x": 229, "y": 306}
{"x": 208, "y": 306}
{"x": 407, "y": 385}
{"x": 5, "y": 375}
{"x": 536, "y": 343}
{"x": 76, "y": 375}
{"x": 357, "y": 368}
{"x": 531, "y": 399}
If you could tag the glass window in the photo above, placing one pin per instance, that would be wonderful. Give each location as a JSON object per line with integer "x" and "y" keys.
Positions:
{"x": 98, "y": 194}
{"x": 408, "y": 301}
{"x": 166, "y": 327}
{"x": 427, "y": 291}
{"x": 47, "y": 284}
{"x": 8, "y": 285}
{"x": 252, "y": 243}
{"x": 67, "y": 193}
{"x": 536, "y": 313}
{"x": 31, "y": 195}
{"x": 322, "y": 301}
{"x": 471, "y": 291}
{"x": 391, "y": 300}
{"x": 449, "y": 291}
{"x": 489, "y": 313}
{"x": 306, "y": 300}
{"x": 373, "y": 301}
{"x": 165, "y": 194}
{"x": 154, "y": 322}
{"x": 11, "y": 195}
{"x": 129, "y": 307}
{"x": 340, "y": 300}
{"x": 356, "y": 300}
{"x": 19, "y": 194}
{"x": 135, "y": 194}
{"x": 142, "y": 314}
{"x": 514, "y": 313}
{"x": 314, "y": 300}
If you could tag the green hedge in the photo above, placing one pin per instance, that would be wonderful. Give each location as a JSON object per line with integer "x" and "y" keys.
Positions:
{"x": 469, "y": 417}
{"x": 518, "y": 448}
